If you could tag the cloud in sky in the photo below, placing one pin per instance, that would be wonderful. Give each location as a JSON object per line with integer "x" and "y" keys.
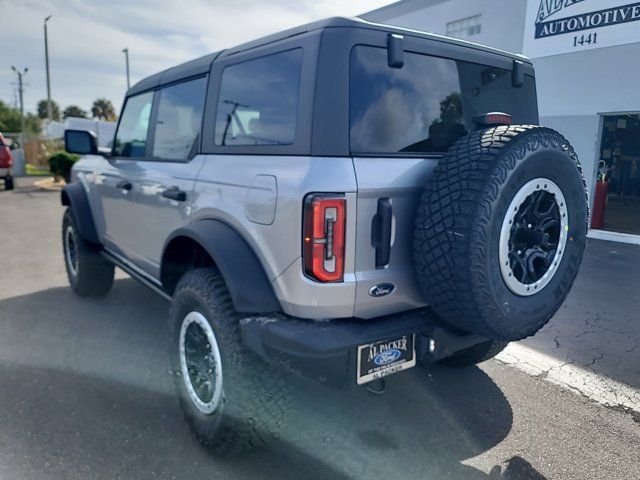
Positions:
{"x": 86, "y": 38}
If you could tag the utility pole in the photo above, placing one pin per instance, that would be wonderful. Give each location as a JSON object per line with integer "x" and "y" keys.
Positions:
{"x": 126, "y": 59}
{"x": 20, "y": 92}
{"x": 46, "y": 59}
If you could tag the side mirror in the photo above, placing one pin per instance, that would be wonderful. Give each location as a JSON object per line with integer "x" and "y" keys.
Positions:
{"x": 82, "y": 142}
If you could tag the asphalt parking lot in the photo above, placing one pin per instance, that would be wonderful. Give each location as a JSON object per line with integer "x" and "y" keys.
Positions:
{"x": 86, "y": 390}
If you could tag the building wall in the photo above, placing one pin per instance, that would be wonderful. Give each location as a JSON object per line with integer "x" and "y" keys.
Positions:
{"x": 575, "y": 88}
{"x": 593, "y": 81}
{"x": 582, "y": 131}
{"x": 502, "y": 20}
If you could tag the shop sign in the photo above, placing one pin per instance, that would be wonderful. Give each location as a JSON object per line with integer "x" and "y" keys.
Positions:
{"x": 562, "y": 26}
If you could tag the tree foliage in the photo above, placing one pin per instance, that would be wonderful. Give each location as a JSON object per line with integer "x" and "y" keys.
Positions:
{"x": 74, "y": 111}
{"x": 103, "y": 110}
{"x": 33, "y": 124}
{"x": 10, "y": 120}
{"x": 55, "y": 110}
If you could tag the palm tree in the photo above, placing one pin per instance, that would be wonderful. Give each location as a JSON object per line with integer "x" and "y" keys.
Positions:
{"x": 74, "y": 111}
{"x": 55, "y": 110}
{"x": 103, "y": 110}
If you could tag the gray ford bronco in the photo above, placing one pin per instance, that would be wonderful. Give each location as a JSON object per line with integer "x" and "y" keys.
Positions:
{"x": 340, "y": 201}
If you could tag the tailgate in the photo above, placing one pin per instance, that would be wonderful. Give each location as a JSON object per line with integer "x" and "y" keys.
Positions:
{"x": 388, "y": 193}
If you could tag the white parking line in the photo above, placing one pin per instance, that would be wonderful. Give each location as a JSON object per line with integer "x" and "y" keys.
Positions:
{"x": 571, "y": 376}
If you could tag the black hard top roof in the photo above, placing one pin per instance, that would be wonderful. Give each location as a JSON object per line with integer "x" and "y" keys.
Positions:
{"x": 203, "y": 64}
{"x": 192, "y": 68}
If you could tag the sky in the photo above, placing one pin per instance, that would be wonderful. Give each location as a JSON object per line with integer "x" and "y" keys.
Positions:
{"x": 86, "y": 38}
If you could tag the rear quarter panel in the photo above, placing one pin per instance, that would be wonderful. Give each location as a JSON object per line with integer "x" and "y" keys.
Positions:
{"x": 226, "y": 189}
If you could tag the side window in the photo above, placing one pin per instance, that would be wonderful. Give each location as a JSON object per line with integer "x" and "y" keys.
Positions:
{"x": 416, "y": 108}
{"x": 258, "y": 101}
{"x": 179, "y": 119}
{"x": 131, "y": 138}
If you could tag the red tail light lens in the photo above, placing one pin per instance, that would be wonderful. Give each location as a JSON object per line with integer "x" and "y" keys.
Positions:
{"x": 493, "y": 118}
{"x": 324, "y": 237}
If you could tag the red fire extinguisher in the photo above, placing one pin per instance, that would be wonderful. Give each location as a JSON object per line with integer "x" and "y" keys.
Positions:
{"x": 600, "y": 197}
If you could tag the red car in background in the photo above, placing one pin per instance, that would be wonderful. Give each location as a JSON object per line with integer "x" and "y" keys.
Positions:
{"x": 6, "y": 164}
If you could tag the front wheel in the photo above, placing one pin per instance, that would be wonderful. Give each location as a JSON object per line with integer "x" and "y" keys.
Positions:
{"x": 231, "y": 400}
{"x": 89, "y": 273}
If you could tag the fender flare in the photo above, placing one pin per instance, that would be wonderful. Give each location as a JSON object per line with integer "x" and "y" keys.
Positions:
{"x": 74, "y": 196}
{"x": 249, "y": 287}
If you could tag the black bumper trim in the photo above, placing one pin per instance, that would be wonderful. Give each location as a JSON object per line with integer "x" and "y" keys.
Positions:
{"x": 325, "y": 351}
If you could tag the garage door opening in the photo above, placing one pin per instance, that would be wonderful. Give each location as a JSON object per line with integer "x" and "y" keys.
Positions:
{"x": 619, "y": 167}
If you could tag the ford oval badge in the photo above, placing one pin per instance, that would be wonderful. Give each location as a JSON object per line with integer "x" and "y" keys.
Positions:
{"x": 387, "y": 356}
{"x": 382, "y": 289}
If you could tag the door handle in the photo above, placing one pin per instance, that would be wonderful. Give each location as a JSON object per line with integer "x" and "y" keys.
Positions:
{"x": 381, "y": 232}
{"x": 124, "y": 185}
{"x": 174, "y": 193}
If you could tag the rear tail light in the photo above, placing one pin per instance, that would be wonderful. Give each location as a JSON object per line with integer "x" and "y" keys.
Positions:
{"x": 324, "y": 237}
{"x": 493, "y": 118}
{"x": 6, "y": 158}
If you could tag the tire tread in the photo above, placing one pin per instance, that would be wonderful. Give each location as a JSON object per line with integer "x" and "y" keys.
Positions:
{"x": 452, "y": 222}
{"x": 258, "y": 393}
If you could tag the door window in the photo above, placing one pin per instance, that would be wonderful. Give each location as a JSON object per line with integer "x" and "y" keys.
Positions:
{"x": 258, "y": 101}
{"x": 131, "y": 138}
{"x": 179, "y": 120}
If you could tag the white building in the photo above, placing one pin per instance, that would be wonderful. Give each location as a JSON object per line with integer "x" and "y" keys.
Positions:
{"x": 587, "y": 59}
{"x": 104, "y": 130}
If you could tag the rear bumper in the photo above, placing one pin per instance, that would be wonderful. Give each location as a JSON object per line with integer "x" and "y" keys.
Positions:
{"x": 326, "y": 351}
{"x": 5, "y": 172}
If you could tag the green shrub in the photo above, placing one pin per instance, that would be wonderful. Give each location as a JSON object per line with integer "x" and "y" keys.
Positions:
{"x": 60, "y": 164}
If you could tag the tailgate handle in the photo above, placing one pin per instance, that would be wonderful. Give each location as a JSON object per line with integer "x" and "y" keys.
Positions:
{"x": 381, "y": 232}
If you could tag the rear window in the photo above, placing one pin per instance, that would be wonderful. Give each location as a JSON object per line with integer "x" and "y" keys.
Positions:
{"x": 429, "y": 103}
{"x": 258, "y": 101}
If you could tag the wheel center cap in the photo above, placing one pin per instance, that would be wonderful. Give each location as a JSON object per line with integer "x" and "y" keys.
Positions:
{"x": 533, "y": 236}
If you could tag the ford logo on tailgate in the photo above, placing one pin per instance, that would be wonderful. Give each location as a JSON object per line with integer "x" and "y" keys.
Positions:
{"x": 382, "y": 289}
{"x": 387, "y": 356}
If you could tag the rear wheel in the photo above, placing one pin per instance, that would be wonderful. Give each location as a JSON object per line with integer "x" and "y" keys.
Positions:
{"x": 8, "y": 183}
{"x": 501, "y": 230}
{"x": 88, "y": 272}
{"x": 231, "y": 399}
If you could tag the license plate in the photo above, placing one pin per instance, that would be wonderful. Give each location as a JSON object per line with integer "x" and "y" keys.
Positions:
{"x": 382, "y": 358}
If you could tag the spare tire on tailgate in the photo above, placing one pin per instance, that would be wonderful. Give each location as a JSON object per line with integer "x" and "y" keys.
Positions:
{"x": 501, "y": 230}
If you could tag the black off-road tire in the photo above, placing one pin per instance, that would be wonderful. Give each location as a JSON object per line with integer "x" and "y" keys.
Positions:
{"x": 89, "y": 274}
{"x": 459, "y": 222}
{"x": 8, "y": 183}
{"x": 477, "y": 354}
{"x": 255, "y": 394}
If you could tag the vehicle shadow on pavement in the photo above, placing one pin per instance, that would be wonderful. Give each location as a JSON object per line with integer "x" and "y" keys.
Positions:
{"x": 85, "y": 392}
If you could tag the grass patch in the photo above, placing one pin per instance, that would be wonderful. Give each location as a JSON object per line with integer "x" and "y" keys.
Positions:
{"x": 37, "y": 170}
